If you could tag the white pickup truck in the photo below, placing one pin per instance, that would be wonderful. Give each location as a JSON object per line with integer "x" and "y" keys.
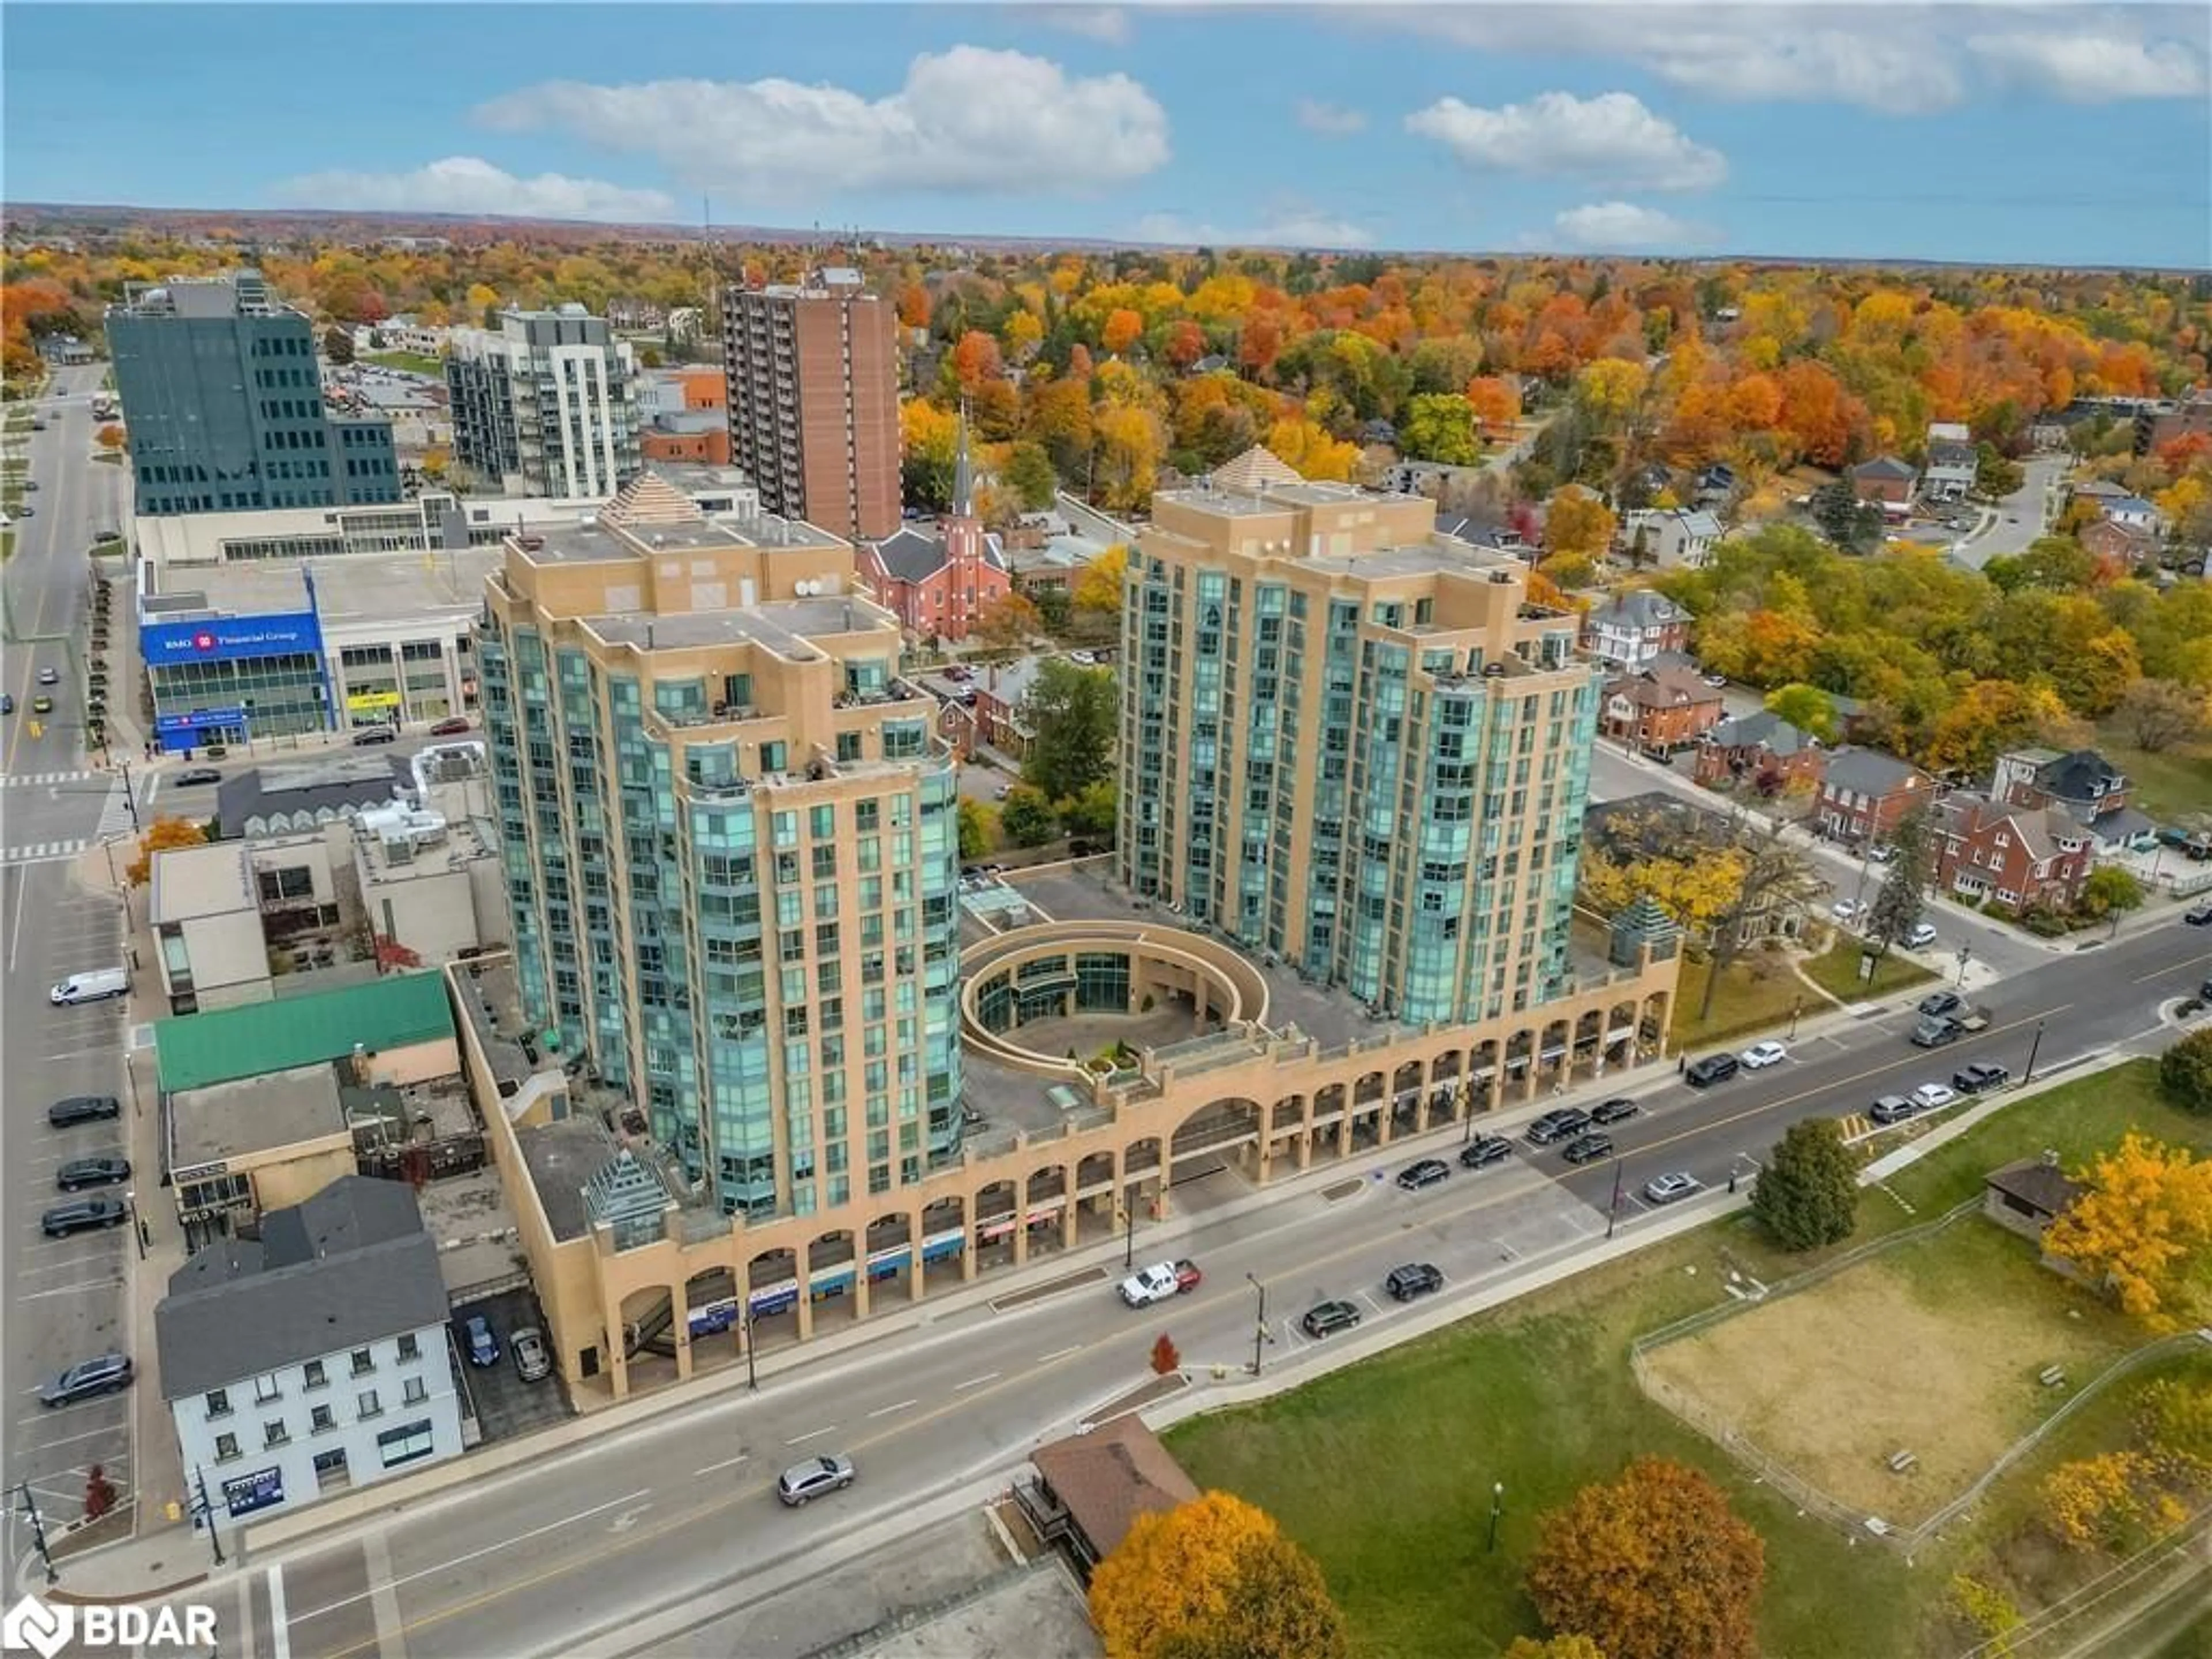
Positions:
{"x": 1159, "y": 1282}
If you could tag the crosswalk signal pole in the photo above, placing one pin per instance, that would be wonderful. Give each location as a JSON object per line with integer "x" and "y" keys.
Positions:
{"x": 39, "y": 1533}
{"x": 206, "y": 1511}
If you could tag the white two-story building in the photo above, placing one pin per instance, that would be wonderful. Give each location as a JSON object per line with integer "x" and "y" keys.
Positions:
{"x": 313, "y": 1359}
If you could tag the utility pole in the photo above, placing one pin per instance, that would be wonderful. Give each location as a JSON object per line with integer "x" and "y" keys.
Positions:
{"x": 1260, "y": 1330}
{"x": 2034, "y": 1048}
{"x": 1612, "y": 1213}
{"x": 1128, "y": 1231}
{"x": 39, "y": 1533}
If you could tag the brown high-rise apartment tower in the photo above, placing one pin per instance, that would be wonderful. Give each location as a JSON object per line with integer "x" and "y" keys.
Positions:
{"x": 814, "y": 392}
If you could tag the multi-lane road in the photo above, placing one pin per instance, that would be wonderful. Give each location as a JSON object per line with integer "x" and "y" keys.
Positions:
{"x": 675, "y": 1518}
{"x": 64, "y": 1298}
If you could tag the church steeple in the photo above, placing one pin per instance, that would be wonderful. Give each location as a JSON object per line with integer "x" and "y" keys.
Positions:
{"x": 963, "y": 489}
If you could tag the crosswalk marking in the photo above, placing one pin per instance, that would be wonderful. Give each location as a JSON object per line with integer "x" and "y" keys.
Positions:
{"x": 114, "y": 813}
{"x": 48, "y": 780}
{"x": 43, "y": 851}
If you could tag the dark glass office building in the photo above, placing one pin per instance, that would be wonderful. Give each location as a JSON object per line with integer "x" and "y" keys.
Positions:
{"x": 223, "y": 402}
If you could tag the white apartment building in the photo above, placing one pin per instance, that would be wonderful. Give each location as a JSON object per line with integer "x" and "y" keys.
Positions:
{"x": 547, "y": 404}
{"x": 313, "y": 1359}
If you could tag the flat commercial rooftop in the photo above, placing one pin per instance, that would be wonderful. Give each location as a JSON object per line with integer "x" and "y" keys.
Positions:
{"x": 253, "y": 1114}
{"x": 784, "y": 626}
{"x": 353, "y": 588}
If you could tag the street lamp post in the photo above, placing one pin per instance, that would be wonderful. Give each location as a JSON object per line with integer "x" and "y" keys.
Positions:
{"x": 753, "y": 1371}
{"x": 2033, "y": 1048}
{"x": 1965, "y": 954}
{"x": 1128, "y": 1231}
{"x": 1796, "y": 1007}
{"x": 1260, "y": 1330}
{"x": 1612, "y": 1210}
{"x": 1467, "y": 1112}
{"x": 137, "y": 1222}
{"x": 1496, "y": 1508}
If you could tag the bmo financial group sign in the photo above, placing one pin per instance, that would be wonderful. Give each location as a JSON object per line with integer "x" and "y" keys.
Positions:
{"x": 230, "y": 639}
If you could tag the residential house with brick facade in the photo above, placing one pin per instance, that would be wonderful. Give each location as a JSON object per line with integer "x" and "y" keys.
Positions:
{"x": 1633, "y": 627}
{"x": 2026, "y": 857}
{"x": 939, "y": 583}
{"x": 1885, "y": 481}
{"x": 1000, "y": 690}
{"x": 2082, "y": 784}
{"x": 1660, "y": 710}
{"x": 1866, "y": 794}
{"x": 2126, "y": 545}
{"x": 1762, "y": 751}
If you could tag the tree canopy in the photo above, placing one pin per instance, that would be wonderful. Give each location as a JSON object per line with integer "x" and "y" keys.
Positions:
{"x": 1213, "y": 1579}
{"x": 1072, "y": 713}
{"x": 1807, "y": 1195}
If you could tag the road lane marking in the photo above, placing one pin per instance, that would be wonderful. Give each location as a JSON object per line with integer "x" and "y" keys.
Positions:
{"x": 1059, "y": 1353}
{"x": 727, "y": 1463}
{"x": 280, "y": 1630}
{"x": 2190, "y": 963}
{"x": 812, "y": 1434}
{"x": 886, "y": 1411}
{"x": 975, "y": 1381}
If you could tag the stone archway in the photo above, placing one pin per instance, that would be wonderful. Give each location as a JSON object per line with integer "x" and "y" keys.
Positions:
{"x": 832, "y": 1286}
{"x": 772, "y": 1285}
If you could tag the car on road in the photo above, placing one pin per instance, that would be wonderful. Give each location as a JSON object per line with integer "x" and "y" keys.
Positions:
{"x": 2199, "y": 915}
{"x": 1328, "y": 1318}
{"x": 1941, "y": 1005}
{"x": 1890, "y": 1108}
{"x": 1560, "y": 1125}
{"x": 1484, "y": 1151}
{"x": 1414, "y": 1279}
{"x": 1979, "y": 1078}
{"x": 1617, "y": 1110}
{"x": 1713, "y": 1068}
{"x": 1920, "y": 936}
{"x": 105, "y": 1170}
{"x": 803, "y": 1482}
{"x": 1883, "y": 853}
{"x": 193, "y": 776}
{"x": 1587, "y": 1149}
{"x": 1842, "y": 910}
{"x": 83, "y": 1215}
{"x": 42, "y": 705}
{"x": 1672, "y": 1187}
{"x": 1426, "y": 1173}
{"x": 374, "y": 734}
{"x": 50, "y": 676}
{"x": 1717, "y": 680}
{"x": 528, "y": 1346}
{"x": 484, "y": 1346}
{"x": 7, "y": 703}
{"x": 453, "y": 727}
{"x": 1761, "y": 1055}
{"x": 1160, "y": 1281}
{"x": 68, "y": 1113}
{"x": 88, "y": 1379}
{"x": 1933, "y": 1097}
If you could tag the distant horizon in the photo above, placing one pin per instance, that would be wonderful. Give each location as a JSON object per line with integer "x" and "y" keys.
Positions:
{"x": 2061, "y": 136}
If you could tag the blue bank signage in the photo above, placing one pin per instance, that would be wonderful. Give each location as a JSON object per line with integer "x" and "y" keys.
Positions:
{"x": 258, "y": 1490}
{"x": 198, "y": 719}
{"x": 230, "y": 639}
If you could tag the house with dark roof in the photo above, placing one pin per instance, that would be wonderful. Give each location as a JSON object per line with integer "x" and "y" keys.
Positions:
{"x": 1091, "y": 1488}
{"x": 1660, "y": 710}
{"x": 1865, "y": 794}
{"x": 2026, "y": 1197}
{"x": 1762, "y": 751}
{"x": 2026, "y": 857}
{"x": 2081, "y": 782}
{"x": 1885, "y": 481}
{"x": 1633, "y": 627}
{"x": 1954, "y": 464}
{"x": 314, "y": 1358}
{"x": 939, "y": 583}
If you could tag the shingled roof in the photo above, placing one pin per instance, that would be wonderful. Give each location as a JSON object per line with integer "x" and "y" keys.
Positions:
{"x": 1107, "y": 1478}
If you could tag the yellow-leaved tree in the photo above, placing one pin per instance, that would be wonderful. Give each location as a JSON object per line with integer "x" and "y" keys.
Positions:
{"x": 1570, "y": 1646}
{"x": 2144, "y": 1229}
{"x": 1212, "y": 1579}
{"x": 1695, "y": 891}
{"x": 1578, "y": 523}
{"x": 1098, "y": 586}
{"x": 1297, "y": 442}
{"x": 160, "y": 835}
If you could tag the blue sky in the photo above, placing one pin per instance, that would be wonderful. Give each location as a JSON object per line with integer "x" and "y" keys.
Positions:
{"x": 2046, "y": 133}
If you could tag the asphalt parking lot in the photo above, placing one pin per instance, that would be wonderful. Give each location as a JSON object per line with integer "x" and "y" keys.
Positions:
{"x": 505, "y": 1405}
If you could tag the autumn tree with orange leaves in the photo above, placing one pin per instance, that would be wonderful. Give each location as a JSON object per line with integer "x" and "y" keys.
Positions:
{"x": 1212, "y": 1579}
{"x": 2143, "y": 1228}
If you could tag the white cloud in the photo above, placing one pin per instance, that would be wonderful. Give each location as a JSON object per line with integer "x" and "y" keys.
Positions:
{"x": 968, "y": 119}
{"x": 1109, "y": 25}
{"x": 1615, "y": 226}
{"x": 1333, "y": 120}
{"x": 2089, "y": 68}
{"x": 1611, "y": 137}
{"x": 1290, "y": 226}
{"x": 468, "y": 184}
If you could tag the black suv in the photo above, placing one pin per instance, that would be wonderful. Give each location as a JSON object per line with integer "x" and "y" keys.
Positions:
{"x": 1713, "y": 1068}
{"x": 1484, "y": 1151}
{"x": 371, "y": 734}
{"x": 1557, "y": 1126}
{"x": 103, "y": 1171}
{"x": 1614, "y": 1111}
{"x": 1979, "y": 1078}
{"x": 1426, "y": 1173}
{"x": 109, "y": 1374}
{"x": 1587, "y": 1149}
{"x": 81, "y": 1215}
{"x": 82, "y": 1108}
{"x": 1329, "y": 1318}
{"x": 1414, "y": 1279}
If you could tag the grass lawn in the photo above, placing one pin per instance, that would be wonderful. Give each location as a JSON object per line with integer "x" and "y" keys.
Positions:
{"x": 2174, "y": 783}
{"x": 1836, "y": 971}
{"x": 1384, "y": 1470}
{"x": 413, "y": 363}
{"x": 1757, "y": 991}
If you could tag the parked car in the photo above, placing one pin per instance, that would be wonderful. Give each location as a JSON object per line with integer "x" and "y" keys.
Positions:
{"x": 530, "y": 1359}
{"x": 453, "y": 727}
{"x": 1713, "y": 1068}
{"x": 484, "y": 1346}
{"x": 803, "y": 1482}
{"x": 1414, "y": 1279}
{"x": 83, "y": 1215}
{"x": 1672, "y": 1187}
{"x": 1328, "y": 1318}
{"x": 374, "y": 734}
{"x": 7, "y": 703}
{"x": 1761, "y": 1055}
{"x": 1890, "y": 1108}
{"x": 1882, "y": 853}
{"x": 1484, "y": 1151}
{"x": 1842, "y": 910}
{"x": 42, "y": 705}
{"x": 1614, "y": 1111}
{"x": 1426, "y": 1173}
{"x": 1160, "y": 1281}
{"x": 1979, "y": 1078}
{"x": 1587, "y": 1149}
{"x": 80, "y": 1172}
{"x": 1933, "y": 1097}
{"x": 108, "y": 1374}
{"x": 1920, "y": 936}
{"x": 193, "y": 776}
{"x": 1560, "y": 1125}
{"x": 67, "y": 1114}
{"x": 2198, "y": 915}
{"x": 1941, "y": 1005}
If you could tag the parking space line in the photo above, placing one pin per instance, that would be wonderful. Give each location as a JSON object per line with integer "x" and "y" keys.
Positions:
{"x": 71, "y": 1439}
{"x": 71, "y": 1290}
